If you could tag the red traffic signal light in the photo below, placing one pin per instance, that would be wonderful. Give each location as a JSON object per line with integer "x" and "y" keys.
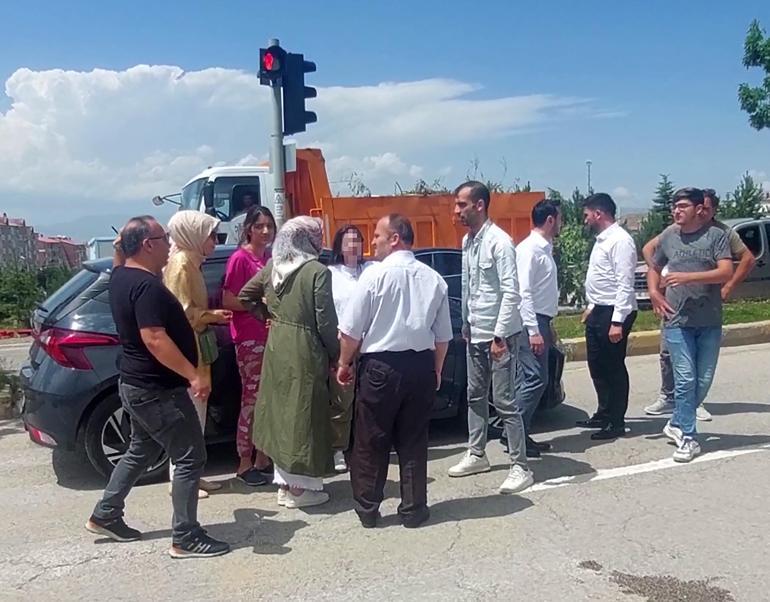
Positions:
{"x": 271, "y": 62}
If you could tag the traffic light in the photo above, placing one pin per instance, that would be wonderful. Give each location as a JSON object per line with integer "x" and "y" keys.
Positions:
{"x": 295, "y": 117}
{"x": 271, "y": 64}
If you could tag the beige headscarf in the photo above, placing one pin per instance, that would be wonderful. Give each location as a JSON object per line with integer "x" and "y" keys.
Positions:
{"x": 189, "y": 230}
{"x": 299, "y": 240}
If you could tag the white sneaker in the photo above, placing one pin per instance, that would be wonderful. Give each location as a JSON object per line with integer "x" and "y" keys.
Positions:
{"x": 282, "y": 496}
{"x": 339, "y": 462}
{"x": 674, "y": 433}
{"x": 687, "y": 451}
{"x": 208, "y": 486}
{"x": 306, "y": 499}
{"x": 660, "y": 407}
{"x": 470, "y": 464}
{"x": 701, "y": 413}
{"x": 518, "y": 479}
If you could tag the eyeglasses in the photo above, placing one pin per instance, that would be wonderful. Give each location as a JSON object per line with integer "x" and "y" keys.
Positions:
{"x": 166, "y": 237}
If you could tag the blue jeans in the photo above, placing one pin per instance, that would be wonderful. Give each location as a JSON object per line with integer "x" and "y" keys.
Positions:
{"x": 694, "y": 354}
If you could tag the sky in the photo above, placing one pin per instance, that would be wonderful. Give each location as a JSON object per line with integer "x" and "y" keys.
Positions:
{"x": 106, "y": 105}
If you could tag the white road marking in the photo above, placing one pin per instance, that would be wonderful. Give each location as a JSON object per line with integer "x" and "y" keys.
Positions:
{"x": 622, "y": 471}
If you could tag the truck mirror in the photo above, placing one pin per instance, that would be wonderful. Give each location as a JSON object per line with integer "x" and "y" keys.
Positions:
{"x": 157, "y": 201}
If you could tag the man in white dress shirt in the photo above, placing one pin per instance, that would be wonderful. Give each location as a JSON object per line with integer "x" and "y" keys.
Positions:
{"x": 399, "y": 316}
{"x": 491, "y": 327}
{"x": 539, "y": 289}
{"x": 610, "y": 315}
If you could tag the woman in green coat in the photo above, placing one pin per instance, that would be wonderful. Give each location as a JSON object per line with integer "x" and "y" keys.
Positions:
{"x": 292, "y": 422}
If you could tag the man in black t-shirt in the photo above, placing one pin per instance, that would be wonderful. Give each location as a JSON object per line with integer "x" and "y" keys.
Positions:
{"x": 156, "y": 369}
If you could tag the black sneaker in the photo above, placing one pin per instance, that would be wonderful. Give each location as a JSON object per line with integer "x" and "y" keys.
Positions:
{"x": 199, "y": 545}
{"x": 252, "y": 477}
{"x": 116, "y": 529}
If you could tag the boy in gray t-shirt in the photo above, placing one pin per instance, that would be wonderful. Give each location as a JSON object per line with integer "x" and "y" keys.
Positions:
{"x": 697, "y": 254}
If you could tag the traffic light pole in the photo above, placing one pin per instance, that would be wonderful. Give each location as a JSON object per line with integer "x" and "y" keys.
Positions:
{"x": 277, "y": 160}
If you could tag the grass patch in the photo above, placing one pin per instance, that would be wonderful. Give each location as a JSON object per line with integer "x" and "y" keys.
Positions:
{"x": 736, "y": 312}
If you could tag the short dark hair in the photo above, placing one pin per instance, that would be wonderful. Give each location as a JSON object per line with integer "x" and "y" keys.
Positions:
{"x": 543, "y": 210}
{"x": 478, "y": 192}
{"x": 694, "y": 195}
{"x": 337, "y": 257}
{"x": 252, "y": 216}
{"x": 712, "y": 194}
{"x": 402, "y": 226}
{"x": 603, "y": 202}
{"x": 134, "y": 233}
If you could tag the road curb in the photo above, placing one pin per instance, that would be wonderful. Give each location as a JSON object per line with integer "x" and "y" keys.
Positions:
{"x": 648, "y": 342}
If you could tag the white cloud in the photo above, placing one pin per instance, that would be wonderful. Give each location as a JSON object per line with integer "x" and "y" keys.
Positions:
{"x": 126, "y": 135}
{"x": 622, "y": 194}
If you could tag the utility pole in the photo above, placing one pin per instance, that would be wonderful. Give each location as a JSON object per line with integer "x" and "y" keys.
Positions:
{"x": 588, "y": 167}
{"x": 276, "y": 136}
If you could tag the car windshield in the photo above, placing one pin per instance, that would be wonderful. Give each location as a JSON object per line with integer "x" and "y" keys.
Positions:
{"x": 191, "y": 194}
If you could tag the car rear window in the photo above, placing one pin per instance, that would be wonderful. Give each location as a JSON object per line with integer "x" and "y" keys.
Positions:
{"x": 68, "y": 291}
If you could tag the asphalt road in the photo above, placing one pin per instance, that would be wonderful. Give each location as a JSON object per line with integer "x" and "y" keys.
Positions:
{"x": 13, "y": 352}
{"x": 605, "y": 521}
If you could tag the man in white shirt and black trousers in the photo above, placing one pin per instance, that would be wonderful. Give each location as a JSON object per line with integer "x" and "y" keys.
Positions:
{"x": 399, "y": 316}
{"x": 539, "y": 289}
{"x": 610, "y": 315}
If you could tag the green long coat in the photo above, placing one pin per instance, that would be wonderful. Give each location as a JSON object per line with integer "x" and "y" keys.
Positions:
{"x": 292, "y": 418}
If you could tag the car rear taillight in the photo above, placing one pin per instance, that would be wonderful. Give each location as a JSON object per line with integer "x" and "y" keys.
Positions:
{"x": 67, "y": 347}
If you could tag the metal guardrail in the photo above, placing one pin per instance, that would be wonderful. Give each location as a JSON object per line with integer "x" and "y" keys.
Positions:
{"x": 15, "y": 333}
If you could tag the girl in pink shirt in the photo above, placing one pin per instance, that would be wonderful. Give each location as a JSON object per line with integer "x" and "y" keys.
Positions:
{"x": 249, "y": 334}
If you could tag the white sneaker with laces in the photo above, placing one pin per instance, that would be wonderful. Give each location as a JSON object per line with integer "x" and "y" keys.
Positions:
{"x": 660, "y": 407}
{"x": 470, "y": 464}
{"x": 687, "y": 451}
{"x": 702, "y": 414}
{"x": 674, "y": 433}
{"x": 306, "y": 499}
{"x": 339, "y": 462}
{"x": 518, "y": 479}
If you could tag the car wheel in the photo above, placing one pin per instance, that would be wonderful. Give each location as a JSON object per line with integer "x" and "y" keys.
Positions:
{"x": 107, "y": 435}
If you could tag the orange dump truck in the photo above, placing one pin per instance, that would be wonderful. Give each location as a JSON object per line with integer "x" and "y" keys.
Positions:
{"x": 223, "y": 191}
{"x": 308, "y": 193}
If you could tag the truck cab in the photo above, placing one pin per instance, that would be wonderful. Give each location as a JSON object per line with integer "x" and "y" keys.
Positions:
{"x": 227, "y": 193}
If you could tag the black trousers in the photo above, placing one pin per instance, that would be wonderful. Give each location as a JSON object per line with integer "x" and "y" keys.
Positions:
{"x": 607, "y": 364}
{"x": 393, "y": 404}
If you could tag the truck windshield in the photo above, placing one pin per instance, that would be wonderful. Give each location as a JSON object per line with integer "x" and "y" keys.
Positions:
{"x": 191, "y": 194}
{"x": 231, "y": 194}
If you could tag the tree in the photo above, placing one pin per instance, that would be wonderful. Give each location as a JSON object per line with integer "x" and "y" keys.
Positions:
{"x": 659, "y": 217}
{"x": 572, "y": 248}
{"x": 18, "y": 294}
{"x": 755, "y": 100}
{"x": 746, "y": 201}
{"x": 661, "y": 202}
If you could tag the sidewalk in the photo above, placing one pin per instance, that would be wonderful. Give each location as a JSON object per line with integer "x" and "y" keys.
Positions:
{"x": 648, "y": 342}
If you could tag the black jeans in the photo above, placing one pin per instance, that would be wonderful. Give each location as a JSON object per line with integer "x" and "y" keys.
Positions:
{"x": 607, "y": 365}
{"x": 394, "y": 400}
{"x": 160, "y": 420}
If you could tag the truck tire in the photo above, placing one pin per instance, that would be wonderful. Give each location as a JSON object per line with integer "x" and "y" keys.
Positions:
{"x": 106, "y": 437}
